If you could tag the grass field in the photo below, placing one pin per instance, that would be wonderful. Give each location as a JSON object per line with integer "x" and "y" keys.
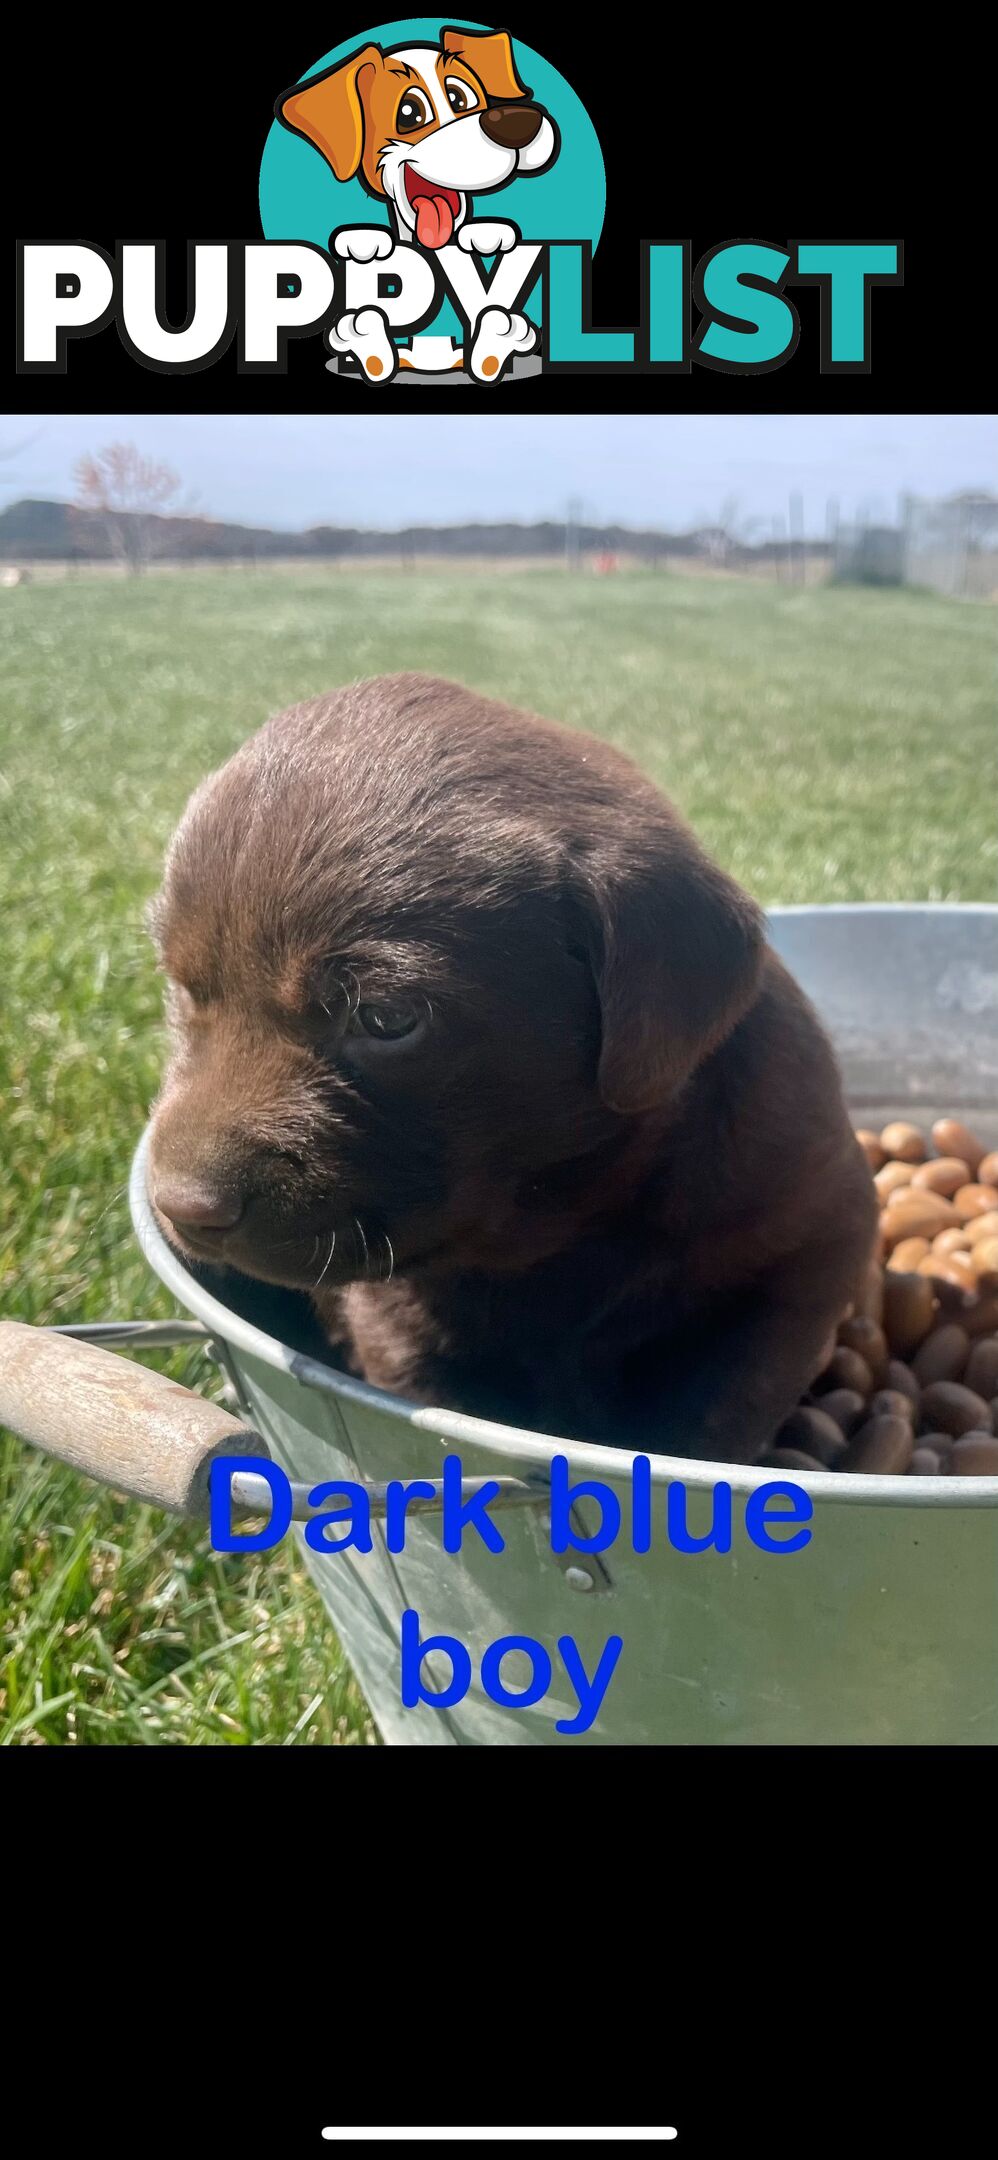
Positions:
{"x": 828, "y": 744}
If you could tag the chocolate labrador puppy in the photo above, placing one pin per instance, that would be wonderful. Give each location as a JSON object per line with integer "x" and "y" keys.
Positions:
{"x": 475, "y": 1046}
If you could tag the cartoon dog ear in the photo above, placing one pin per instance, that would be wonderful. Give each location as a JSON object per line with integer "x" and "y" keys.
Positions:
{"x": 489, "y": 55}
{"x": 329, "y": 110}
{"x": 676, "y": 949}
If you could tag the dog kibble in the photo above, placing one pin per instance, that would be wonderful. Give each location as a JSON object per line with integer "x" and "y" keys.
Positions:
{"x": 949, "y": 1241}
{"x": 984, "y": 1261}
{"x": 830, "y": 1452}
{"x": 894, "y": 1177}
{"x": 906, "y": 1256}
{"x": 953, "y": 1268}
{"x": 901, "y": 1378}
{"x": 952, "y": 1408}
{"x": 912, "y": 1214}
{"x": 788, "y": 1458}
{"x": 981, "y": 1318}
{"x": 884, "y": 1444}
{"x": 951, "y": 1293}
{"x": 975, "y": 1200}
{"x": 869, "y": 1340}
{"x": 915, "y": 1202}
{"x": 944, "y": 1175}
{"x": 905, "y": 1142}
{"x": 845, "y": 1369}
{"x": 951, "y": 1138}
{"x": 975, "y": 1454}
{"x": 980, "y": 1226}
{"x": 812, "y": 1431}
{"x": 981, "y": 1371}
{"x": 909, "y": 1309}
{"x": 847, "y": 1407}
{"x": 890, "y": 1402}
{"x": 942, "y": 1356}
{"x": 909, "y": 1386}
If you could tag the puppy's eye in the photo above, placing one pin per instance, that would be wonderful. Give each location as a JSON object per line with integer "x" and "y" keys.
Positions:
{"x": 459, "y": 97}
{"x": 412, "y": 113}
{"x": 388, "y": 1020}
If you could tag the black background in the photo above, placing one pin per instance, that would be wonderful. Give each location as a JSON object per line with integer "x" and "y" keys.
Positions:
{"x": 710, "y": 133}
{"x": 699, "y": 1952}
{"x": 220, "y": 1952}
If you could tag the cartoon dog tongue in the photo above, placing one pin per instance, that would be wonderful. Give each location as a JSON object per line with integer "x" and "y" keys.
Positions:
{"x": 434, "y": 220}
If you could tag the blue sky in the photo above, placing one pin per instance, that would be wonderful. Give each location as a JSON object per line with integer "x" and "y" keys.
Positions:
{"x": 391, "y": 468}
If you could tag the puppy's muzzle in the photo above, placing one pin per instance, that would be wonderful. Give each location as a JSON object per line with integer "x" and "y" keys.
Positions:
{"x": 201, "y": 1210}
{"x": 512, "y": 126}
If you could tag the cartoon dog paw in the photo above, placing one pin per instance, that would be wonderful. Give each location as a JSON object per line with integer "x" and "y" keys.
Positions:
{"x": 498, "y": 337}
{"x": 481, "y": 238}
{"x": 365, "y": 243}
{"x": 365, "y": 335}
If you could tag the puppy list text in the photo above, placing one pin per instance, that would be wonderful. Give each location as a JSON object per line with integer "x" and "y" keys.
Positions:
{"x": 264, "y": 293}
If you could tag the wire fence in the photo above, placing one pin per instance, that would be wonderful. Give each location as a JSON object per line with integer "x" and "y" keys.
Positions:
{"x": 952, "y": 545}
{"x": 948, "y": 546}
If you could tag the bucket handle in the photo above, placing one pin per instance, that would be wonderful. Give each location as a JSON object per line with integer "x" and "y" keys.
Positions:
{"x": 146, "y": 1435}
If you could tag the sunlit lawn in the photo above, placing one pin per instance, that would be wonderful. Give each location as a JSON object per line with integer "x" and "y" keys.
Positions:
{"x": 828, "y": 744}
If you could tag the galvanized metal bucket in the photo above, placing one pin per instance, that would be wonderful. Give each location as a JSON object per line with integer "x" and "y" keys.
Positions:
{"x": 885, "y": 1628}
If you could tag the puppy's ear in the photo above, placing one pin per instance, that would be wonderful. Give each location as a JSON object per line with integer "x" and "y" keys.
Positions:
{"x": 676, "y": 949}
{"x": 489, "y": 55}
{"x": 329, "y": 110}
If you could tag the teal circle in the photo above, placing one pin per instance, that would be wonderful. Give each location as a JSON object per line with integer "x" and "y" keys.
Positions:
{"x": 301, "y": 198}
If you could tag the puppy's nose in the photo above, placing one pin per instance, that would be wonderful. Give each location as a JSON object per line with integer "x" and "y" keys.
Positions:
{"x": 198, "y": 1207}
{"x": 511, "y": 126}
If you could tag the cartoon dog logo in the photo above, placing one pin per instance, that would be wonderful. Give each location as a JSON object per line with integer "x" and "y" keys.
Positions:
{"x": 426, "y": 127}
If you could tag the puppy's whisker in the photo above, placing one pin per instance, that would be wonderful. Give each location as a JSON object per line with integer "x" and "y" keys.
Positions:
{"x": 358, "y": 1225}
{"x": 391, "y": 1257}
{"x": 329, "y": 1255}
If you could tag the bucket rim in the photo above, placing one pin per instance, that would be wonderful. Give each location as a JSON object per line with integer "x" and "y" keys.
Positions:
{"x": 825, "y": 908}
{"x": 532, "y": 1448}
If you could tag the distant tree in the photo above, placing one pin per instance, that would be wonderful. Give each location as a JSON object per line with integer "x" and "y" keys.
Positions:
{"x": 126, "y": 491}
{"x": 727, "y": 527}
{"x": 196, "y": 537}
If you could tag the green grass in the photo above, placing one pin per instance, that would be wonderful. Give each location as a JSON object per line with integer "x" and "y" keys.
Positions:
{"x": 828, "y": 744}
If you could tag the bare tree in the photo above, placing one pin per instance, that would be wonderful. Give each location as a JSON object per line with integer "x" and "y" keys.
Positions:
{"x": 127, "y": 491}
{"x": 727, "y": 525}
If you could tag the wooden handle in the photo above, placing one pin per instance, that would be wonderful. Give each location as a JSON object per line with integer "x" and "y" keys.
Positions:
{"x": 113, "y": 1420}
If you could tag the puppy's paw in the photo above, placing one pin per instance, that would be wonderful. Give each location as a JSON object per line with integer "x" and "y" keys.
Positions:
{"x": 365, "y": 335}
{"x": 481, "y": 238}
{"x": 498, "y": 338}
{"x": 363, "y": 243}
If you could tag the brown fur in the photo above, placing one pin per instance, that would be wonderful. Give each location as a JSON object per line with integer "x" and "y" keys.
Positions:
{"x": 350, "y": 112}
{"x": 613, "y": 1179}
